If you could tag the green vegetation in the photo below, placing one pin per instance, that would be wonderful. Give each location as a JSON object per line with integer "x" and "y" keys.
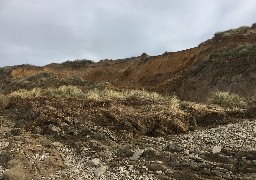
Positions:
{"x": 234, "y": 52}
{"x": 229, "y": 33}
{"x": 225, "y": 99}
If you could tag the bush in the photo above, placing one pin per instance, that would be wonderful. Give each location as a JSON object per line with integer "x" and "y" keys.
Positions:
{"x": 225, "y": 99}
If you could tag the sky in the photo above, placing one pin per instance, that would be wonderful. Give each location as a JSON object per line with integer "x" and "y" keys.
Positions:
{"x": 40, "y": 32}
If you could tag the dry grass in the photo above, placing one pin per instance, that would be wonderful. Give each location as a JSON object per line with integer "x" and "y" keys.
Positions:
{"x": 96, "y": 94}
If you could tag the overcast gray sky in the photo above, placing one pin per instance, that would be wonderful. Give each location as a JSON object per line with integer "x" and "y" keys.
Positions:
{"x": 44, "y": 31}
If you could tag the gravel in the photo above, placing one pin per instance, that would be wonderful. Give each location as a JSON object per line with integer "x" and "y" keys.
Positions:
{"x": 224, "y": 152}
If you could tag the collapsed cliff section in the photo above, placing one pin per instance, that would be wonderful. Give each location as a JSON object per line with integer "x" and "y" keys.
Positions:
{"x": 230, "y": 70}
{"x": 225, "y": 63}
{"x": 230, "y": 65}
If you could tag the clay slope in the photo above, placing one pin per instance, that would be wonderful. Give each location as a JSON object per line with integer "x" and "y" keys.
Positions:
{"x": 225, "y": 63}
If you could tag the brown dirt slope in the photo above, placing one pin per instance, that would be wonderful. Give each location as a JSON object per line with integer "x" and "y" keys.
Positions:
{"x": 226, "y": 63}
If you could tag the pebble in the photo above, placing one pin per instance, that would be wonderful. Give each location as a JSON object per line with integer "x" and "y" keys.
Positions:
{"x": 216, "y": 149}
{"x": 156, "y": 167}
{"x": 137, "y": 155}
{"x": 94, "y": 162}
{"x": 100, "y": 171}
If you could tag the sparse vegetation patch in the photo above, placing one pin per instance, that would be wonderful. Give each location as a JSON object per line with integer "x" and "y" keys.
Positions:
{"x": 226, "y": 99}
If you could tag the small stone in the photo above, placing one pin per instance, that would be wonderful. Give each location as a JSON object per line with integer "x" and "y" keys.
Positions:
{"x": 175, "y": 148}
{"x": 162, "y": 177}
{"x": 216, "y": 172}
{"x": 130, "y": 167}
{"x": 126, "y": 172}
{"x": 137, "y": 155}
{"x": 76, "y": 170}
{"x": 186, "y": 152}
{"x": 206, "y": 171}
{"x": 194, "y": 166}
{"x": 57, "y": 144}
{"x": 159, "y": 172}
{"x": 226, "y": 176}
{"x": 216, "y": 149}
{"x": 150, "y": 153}
{"x": 196, "y": 158}
{"x": 156, "y": 167}
{"x": 94, "y": 162}
{"x": 125, "y": 151}
{"x": 228, "y": 166}
{"x": 16, "y": 131}
{"x": 100, "y": 171}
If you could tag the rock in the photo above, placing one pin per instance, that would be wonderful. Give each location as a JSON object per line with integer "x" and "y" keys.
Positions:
{"x": 156, "y": 167}
{"x": 194, "y": 166}
{"x": 150, "y": 153}
{"x": 174, "y": 148}
{"x": 125, "y": 151}
{"x": 205, "y": 171}
{"x": 162, "y": 177}
{"x": 175, "y": 163}
{"x": 196, "y": 158}
{"x": 186, "y": 152}
{"x": 159, "y": 172}
{"x": 216, "y": 149}
{"x": 94, "y": 162}
{"x": 15, "y": 131}
{"x": 226, "y": 176}
{"x": 228, "y": 166}
{"x": 137, "y": 155}
{"x": 216, "y": 173}
{"x": 100, "y": 171}
{"x": 57, "y": 144}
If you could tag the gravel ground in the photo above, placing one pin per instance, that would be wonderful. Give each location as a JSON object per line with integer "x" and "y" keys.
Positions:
{"x": 224, "y": 152}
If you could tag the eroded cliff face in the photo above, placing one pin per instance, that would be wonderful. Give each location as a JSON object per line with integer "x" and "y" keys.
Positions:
{"x": 227, "y": 62}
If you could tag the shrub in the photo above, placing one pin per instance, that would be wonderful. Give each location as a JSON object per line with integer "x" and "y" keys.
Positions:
{"x": 225, "y": 99}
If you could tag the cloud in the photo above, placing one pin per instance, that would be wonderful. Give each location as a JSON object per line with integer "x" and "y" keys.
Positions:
{"x": 40, "y": 32}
